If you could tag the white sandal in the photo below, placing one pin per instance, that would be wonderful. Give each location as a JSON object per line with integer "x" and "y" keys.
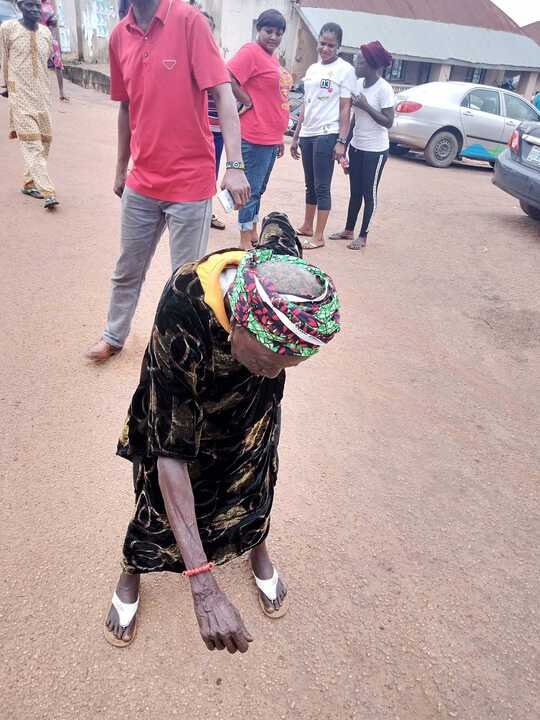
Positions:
{"x": 126, "y": 613}
{"x": 269, "y": 589}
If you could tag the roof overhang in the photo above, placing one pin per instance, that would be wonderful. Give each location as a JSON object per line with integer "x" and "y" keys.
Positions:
{"x": 428, "y": 41}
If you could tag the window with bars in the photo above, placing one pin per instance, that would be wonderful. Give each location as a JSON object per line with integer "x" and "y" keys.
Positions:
{"x": 475, "y": 75}
{"x": 395, "y": 71}
{"x": 102, "y": 18}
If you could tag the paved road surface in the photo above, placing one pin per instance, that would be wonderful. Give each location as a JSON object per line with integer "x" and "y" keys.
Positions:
{"x": 406, "y": 519}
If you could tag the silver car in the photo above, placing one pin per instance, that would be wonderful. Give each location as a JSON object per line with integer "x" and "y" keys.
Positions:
{"x": 454, "y": 120}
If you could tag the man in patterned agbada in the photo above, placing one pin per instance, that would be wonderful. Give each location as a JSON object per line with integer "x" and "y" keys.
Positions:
{"x": 25, "y": 47}
{"x": 203, "y": 426}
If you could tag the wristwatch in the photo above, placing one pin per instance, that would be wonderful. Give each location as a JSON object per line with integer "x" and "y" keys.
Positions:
{"x": 341, "y": 141}
{"x": 235, "y": 165}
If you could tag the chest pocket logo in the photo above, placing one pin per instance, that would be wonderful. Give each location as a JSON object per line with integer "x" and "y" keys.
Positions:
{"x": 169, "y": 64}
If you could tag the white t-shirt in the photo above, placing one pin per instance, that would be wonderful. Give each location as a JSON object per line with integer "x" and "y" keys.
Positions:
{"x": 324, "y": 85}
{"x": 368, "y": 134}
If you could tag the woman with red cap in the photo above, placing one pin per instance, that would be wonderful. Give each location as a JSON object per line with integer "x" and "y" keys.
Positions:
{"x": 373, "y": 110}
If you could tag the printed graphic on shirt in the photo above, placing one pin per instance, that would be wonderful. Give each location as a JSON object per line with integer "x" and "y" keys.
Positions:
{"x": 169, "y": 64}
{"x": 285, "y": 84}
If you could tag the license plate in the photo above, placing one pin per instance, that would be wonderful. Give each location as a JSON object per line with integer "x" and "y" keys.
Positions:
{"x": 534, "y": 155}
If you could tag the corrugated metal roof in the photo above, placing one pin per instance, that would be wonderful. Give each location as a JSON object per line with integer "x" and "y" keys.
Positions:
{"x": 430, "y": 41}
{"x": 533, "y": 31}
{"x": 476, "y": 13}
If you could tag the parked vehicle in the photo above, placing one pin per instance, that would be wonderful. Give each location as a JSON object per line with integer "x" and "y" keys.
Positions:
{"x": 454, "y": 120}
{"x": 8, "y": 11}
{"x": 517, "y": 170}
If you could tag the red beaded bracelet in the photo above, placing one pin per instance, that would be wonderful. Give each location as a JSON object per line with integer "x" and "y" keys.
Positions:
{"x": 198, "y": 570}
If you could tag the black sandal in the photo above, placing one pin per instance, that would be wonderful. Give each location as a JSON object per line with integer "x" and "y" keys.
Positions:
{"x": 32, "y": 192}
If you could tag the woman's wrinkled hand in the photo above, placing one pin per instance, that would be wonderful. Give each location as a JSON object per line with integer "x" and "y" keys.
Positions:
{"x": 220, "y": 623}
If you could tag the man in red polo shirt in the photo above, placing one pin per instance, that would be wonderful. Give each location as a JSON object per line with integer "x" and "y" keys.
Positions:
{"x": 163, "y": 63}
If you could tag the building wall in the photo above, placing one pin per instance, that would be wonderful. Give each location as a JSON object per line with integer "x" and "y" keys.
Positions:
{"x": 305, "y": 52}
{"x": 235, "y": 22}
{"x": 88, "y": 26}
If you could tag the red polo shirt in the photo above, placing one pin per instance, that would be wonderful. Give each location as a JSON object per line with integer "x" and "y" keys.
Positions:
{"x": 164, "y": 74}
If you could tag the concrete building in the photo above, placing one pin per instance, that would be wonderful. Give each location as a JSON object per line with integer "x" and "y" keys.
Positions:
{"x": 85, "y": 26}
{"x": 429, "y": 39}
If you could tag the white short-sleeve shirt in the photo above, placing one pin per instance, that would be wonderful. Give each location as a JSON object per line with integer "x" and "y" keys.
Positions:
{"x": 324, "y": 86}
{"x": 368, "y": 134}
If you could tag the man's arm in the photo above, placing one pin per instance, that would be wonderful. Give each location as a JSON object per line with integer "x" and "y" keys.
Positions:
{"x": 219, "y": 621}
{"x": 124, "y": 152}
{"x": 234, "y": 181}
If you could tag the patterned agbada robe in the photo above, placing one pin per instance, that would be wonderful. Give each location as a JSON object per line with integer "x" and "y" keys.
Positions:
{"x": 24, "y": 60}
{"x": 197, "y": 404}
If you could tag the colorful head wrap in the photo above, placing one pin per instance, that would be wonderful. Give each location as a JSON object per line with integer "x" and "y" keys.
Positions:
{"x": 376, "y": 55}
{"x": 285, "y": 324}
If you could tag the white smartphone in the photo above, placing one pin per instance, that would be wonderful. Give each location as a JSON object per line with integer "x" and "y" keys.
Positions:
{"x": 226, "y": 199}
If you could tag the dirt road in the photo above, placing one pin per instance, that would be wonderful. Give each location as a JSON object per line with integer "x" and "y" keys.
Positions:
{"x": 406, "y": 519}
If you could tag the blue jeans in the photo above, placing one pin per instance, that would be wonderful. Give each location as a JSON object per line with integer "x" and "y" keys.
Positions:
{"x": 218, "y": 149}
{"x": 259, "y": 161}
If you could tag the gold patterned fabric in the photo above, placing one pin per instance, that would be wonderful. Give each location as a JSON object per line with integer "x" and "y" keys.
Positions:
{"x": 24, "y": 61}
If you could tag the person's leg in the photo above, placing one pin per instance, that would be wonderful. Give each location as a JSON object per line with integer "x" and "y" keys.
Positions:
{"x": 215, "y": 222}
{"x": 143, "y": 223}
{"x": 307, "y": 148}
{"x": 218, "y": 149}
{"x": 35, "y": 154}
{"x": 127, "y": 587}
{"x": 355, "y": 185}
{"x": 263, "y": 568}
{"x": 270, "y": 156}
{"x": 373, "y": 165}
{"x": 189, "y": 227}
{"x": 259, "y": 161}
{"x": 323, "y": 169}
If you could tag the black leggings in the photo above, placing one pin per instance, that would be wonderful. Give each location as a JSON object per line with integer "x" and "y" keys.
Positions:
{"x": 365, "y": 170}
{"x": 318, "y": 162}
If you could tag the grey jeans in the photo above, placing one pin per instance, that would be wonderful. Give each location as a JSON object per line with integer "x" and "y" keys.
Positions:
{"x": 143, "y": 222}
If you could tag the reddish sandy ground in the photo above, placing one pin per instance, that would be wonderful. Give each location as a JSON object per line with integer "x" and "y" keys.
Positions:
{"x": 406, "y": 517}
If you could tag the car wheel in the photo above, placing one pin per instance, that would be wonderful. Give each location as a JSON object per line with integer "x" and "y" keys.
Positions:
{"x": 398, "y": 150}
{"x": 442, "y": 149}
{"x": 530, "y": 210}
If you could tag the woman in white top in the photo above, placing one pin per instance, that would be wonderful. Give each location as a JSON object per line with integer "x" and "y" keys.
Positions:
{"x": 322, "y": 129}
{"x": 373, "y": 109}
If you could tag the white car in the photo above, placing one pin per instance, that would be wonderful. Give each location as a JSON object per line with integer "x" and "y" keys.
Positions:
{"x": 454, "y": 120}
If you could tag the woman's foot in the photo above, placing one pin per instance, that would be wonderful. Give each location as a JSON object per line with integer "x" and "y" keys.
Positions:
{"x": 342, "y": 235}
{"x": 216, "y": 223}
{"x": 313, "y": 244}
{"x": 304, "y": 231}
{"x": 127, "y": 591}
{"x": 358, "y": 243}
{"x": 264, "y": 570}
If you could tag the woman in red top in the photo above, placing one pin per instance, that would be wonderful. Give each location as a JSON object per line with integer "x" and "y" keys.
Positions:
{"x": 262, "y": 86}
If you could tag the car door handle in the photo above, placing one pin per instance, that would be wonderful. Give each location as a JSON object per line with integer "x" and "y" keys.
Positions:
{"x": 469, "y": 113}
{"x": 515, "y": 123}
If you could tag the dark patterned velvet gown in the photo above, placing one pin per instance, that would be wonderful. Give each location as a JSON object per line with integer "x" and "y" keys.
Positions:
{"x": 195, "y": 403}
